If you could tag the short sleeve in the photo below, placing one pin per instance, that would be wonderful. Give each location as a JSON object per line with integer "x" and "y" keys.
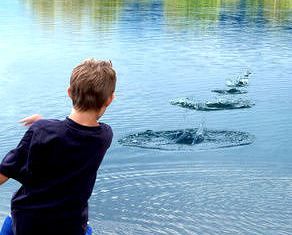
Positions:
{"x": 109, "y": 137}
{"x": 14, "y": 164}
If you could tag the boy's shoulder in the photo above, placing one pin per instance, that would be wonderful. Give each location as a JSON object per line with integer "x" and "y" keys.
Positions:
{"x": 56, "y": 125}
{"x": 46, "y": 124}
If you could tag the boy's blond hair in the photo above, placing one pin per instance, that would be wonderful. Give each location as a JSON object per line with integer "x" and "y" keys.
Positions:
{"x": 92, "y": 83}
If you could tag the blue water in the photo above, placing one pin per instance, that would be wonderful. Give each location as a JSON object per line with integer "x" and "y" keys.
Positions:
{"x": 164, "y": 50}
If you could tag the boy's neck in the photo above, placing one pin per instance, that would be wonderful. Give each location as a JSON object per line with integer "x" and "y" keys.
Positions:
{"x": 86, "y": 118}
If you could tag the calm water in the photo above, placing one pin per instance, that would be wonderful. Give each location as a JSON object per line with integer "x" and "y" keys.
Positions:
{"x": 164, "y": 50}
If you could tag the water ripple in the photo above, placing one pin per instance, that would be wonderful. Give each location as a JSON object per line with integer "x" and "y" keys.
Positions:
{"x": 187, "y": 139}
{"x": 189, "y": 199}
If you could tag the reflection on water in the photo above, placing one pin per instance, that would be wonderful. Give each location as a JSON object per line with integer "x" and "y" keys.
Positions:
{"x": 100, "y": 13}
{"x": 178, "y": 13}
{"x": 275, "y": 10}
{"x": 185, "y": 13}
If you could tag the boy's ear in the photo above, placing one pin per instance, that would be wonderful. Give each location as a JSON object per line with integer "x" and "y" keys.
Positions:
{"x": 110, "y": 99}
{"x": 69, "y": 92}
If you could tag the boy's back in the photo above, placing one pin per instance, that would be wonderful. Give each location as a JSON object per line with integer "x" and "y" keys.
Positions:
{"x": 56, "y": 162}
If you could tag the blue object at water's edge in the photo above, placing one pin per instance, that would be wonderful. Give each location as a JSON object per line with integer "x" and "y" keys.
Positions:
{"x": 88, "y": 230}
{"x": 7, "y": 227}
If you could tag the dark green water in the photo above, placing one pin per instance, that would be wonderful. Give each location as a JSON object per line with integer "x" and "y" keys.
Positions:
{"x": 164, "y": 51}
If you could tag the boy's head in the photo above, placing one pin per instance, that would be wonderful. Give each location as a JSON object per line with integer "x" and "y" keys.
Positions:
{"x": 92, "y": 85}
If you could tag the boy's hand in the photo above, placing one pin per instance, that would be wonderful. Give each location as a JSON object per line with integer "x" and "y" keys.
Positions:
{"x": 30, "y": 120}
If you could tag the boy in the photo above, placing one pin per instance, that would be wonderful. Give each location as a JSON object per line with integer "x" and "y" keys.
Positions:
{"x": 56, "y": 161}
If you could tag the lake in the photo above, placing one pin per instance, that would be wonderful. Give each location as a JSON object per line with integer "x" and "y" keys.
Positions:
{"x": 185, "y": 159}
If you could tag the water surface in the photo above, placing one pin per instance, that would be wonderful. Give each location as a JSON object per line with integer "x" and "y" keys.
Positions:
{"x": 164, "y": 50}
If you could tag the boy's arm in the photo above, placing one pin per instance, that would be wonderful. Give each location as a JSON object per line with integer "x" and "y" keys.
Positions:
{"x": 30, "y": 120}
{"x": 14, "y": 164}
{"x": 3, "y": 179}
{"x": 11, "y": 165}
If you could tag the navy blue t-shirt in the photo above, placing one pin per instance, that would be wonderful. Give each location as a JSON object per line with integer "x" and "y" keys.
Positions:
{"x": 56, "y": 162}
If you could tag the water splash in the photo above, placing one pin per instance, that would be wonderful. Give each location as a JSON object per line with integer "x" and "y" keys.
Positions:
{"x": 247, "y": 73}
{"x": 240, "y": 81}
{"x": 231, "y": 91}
{"x": 220, "y": 104}
{"x": 187, "y": 139}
